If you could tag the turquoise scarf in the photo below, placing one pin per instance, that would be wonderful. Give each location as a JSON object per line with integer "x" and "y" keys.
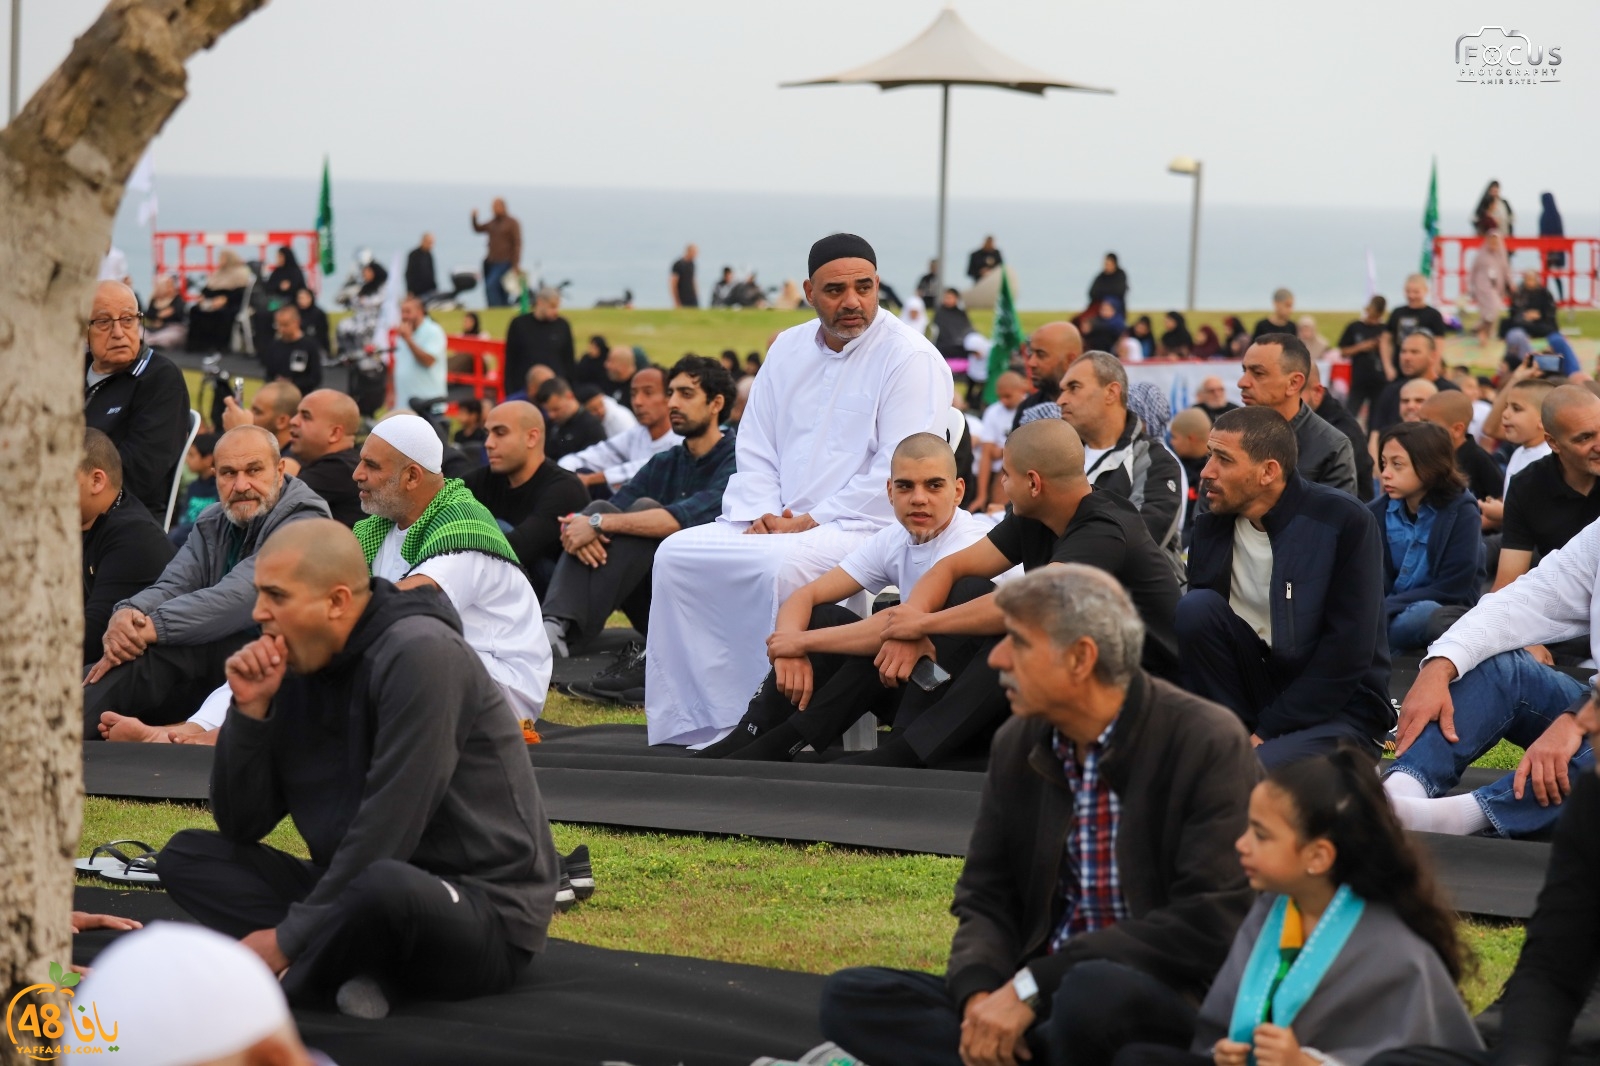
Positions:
{"x": 1265, "y": 993}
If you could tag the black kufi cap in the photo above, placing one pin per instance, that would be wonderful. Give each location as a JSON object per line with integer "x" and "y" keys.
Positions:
{"x": 839, "y": 246}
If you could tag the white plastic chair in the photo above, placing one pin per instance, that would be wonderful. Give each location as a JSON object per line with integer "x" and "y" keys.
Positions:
{"x": 177, "y": 475}
{"x": 241, "y": 336}
{"x": 955, "y": 425}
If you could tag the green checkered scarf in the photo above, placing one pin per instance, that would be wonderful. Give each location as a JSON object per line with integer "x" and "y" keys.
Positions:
{"x": 454, "y": 522}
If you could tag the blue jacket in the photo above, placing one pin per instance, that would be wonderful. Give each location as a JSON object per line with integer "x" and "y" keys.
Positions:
{"x": 1455, "y": 557}
{"x": 1330, "y": 643}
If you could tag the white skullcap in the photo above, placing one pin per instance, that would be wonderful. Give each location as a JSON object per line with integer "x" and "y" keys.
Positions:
{"x": 181, "y": 994}
{"x": 413, "y": 437}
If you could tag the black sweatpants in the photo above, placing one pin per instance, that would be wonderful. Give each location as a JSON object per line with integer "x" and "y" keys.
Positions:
{"x": 583, "y": 596}
{"x": 418, "y": 935}
{"x": 164, "y": 686}
{"x": 908, "y": 1018}
{"x": 1223, "y": 660}
{"x": 970, "y": 705}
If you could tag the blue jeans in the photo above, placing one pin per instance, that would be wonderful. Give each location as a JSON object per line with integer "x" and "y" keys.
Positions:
{"x": 494, "y": 294}
{"x": 1409, "y": 628}
{"x": 1510, "y": 697}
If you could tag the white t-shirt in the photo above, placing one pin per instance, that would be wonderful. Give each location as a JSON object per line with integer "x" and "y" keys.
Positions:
{"x": 1250, "y": 589}
{"x": 500, "y": 616}
{"x": 890, "y": 558}
{"x": 1092, "y": 456}
{"x": 1480, "y": 411}
{"x": 412, "y": 380}
{"x": 618, "y": 419}
{"x": 997, "y": 419}
{"x": 1521, "y": 458}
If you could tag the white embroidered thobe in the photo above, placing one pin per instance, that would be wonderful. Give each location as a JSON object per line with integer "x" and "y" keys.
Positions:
{"x": 622, "y": 456}
{"x": 816, "y": 438}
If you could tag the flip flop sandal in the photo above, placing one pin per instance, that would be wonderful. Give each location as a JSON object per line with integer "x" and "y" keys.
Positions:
{"x": 111, "y": 863}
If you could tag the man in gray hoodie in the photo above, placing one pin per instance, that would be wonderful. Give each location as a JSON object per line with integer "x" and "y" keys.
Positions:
{"x": 164, "y": 648}
{"x": 361, "y": 713}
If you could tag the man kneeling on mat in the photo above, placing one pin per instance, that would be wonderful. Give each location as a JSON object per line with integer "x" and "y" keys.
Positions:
{"x": 361, "y": 713}
{"x": 1100, "y": 892}
{"x": 823, "y": 675}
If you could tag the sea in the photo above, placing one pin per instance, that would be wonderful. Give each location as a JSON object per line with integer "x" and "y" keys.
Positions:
{"x": 608, "y": 242}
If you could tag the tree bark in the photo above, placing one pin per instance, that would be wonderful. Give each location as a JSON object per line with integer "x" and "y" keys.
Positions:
{"x": 63, "y": 163}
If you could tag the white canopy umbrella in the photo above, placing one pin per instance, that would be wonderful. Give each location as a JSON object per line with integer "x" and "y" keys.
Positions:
{"x": 948, "y": 53}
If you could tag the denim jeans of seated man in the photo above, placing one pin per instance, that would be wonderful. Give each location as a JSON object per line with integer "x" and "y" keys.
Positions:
{"x": 1509, "y": 697}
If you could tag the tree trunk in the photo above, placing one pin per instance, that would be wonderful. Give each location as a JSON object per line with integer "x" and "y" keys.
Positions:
{"x": 63, "y": 162}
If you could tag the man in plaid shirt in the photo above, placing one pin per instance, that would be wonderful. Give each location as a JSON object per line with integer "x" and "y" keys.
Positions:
{"x": 1101, "y": 891}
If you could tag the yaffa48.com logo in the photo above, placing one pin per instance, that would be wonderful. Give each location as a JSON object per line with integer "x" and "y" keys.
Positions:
{"x": 42, "y": 1029}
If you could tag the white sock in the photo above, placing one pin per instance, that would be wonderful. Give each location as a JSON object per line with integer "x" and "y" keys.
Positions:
{"x": 1404, "y": 786}
{"x": 1451, "y": 815}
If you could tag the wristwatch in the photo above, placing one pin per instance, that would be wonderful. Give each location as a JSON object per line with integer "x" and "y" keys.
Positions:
{"x": 594, "y": 522}
{"x": 1026, "y": 988}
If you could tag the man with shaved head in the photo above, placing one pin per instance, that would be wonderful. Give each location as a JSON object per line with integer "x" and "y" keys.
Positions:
{"x": 362, "y": 713}
{"x": 1056, "y": 517}
{"x": 323, "y": 436}
{"x": 1413, "y": 394}
{"x": 134, "y": 396}
{"x": 1051, "y": 349}
{"x": 165, "y": 646}
{"x": 832, "y": 400}
{"x": 272, "y": 408}
{"x": 424, "y": 530}
{"x": 823, "y": 676}
{"x": 1452, "y": 411}
{"x": 525, "y": 490}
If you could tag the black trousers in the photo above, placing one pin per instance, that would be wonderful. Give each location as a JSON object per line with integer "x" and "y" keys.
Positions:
{"x": 1223, "y": 660}
{"x": 905, "y": 1018}
{"x": 583, "y": 597}
{"x": 418, "y": 935}
{"x": 1438, "y": 1056}
{"x": 163, "y": 686}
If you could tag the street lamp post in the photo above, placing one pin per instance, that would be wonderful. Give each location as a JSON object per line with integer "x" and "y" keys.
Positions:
{"x": 1191, "y": 167}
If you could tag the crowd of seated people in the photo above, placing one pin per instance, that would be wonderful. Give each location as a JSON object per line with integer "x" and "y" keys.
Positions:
{"x": 1171, "y": 642}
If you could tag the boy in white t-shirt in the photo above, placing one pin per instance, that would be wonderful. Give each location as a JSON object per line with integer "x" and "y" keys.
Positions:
{"x": 1519, "y": 422}
{"x": 824, "y": 676}
{"x": 1010, "y": 389}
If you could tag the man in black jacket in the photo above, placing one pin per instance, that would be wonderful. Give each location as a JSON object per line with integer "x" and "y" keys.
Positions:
{"x": 539, "y": 338}
{"x": 1276, "y": 369}
{"x": 1283, "y": 620}
{"x": 361, "y": 713}
{"x": 421, "y": 278}
{"x": 323, "y": 436}
{"x": 136, "y": 397}
{"x": 571, "y": 427}
{"x": 1330, "y": 410}
{"x": 1066, "y": 953}
{"x": 124, "y": 549}
{"x": 292, "y": 354}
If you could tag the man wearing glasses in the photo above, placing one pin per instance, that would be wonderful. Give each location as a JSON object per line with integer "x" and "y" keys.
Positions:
{"x": 136, "y": 397}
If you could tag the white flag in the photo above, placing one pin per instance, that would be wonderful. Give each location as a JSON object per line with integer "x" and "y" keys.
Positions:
{"x": 143, "y": 180}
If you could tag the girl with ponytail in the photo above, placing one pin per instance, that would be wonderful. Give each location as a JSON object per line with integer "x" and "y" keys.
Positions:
{"x": 1348, "y": 952}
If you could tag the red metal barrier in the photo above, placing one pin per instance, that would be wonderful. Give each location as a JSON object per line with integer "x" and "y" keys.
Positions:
{"x": 1580, "y": 277}
{"x": 192, "y": 254}
{"x": 487, "y": 381}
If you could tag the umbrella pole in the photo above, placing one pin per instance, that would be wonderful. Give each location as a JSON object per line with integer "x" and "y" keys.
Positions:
{"x": 944, "y": 167}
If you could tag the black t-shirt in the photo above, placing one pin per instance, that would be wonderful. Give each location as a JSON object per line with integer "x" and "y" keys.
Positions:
{"x": 124, "y": 553}
{"x": 982, "y": 261}
{"x": 1364, "y": 363}
{"x": 297, "y": 361}
{"x": 1543, "y": 512}
{"x": 574, "y": 435}
{"x": 1265, "y": 326}
{"x": 1485, "y": 478}
{"x": 1106, "y": 532}
{"x": 1406, "y": 320}
{"x": 330, "y": 478}
{"x": 683, "y": 278}
{"x": 1386, "y": 408}
{"x": 533, "y": 509}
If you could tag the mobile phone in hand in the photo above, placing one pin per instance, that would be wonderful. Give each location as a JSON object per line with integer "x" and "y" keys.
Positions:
{"x": 928, "y": 675}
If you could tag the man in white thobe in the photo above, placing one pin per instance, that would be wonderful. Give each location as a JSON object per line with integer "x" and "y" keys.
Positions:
{"x": 832, "y": 401}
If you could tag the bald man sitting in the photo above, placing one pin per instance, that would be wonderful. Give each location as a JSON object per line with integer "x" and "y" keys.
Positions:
{"x": 164, "y": 647}
{"x": 1413, "y": 394}
{"x": 527, "y": 492}
{"x": 323, "y": 436}
{"x": 1051, "y": 349}
{"x": 272, "y": 408}
{"x": 1056, "y": 517}
{"x": 363, "y": 714}
{"x": 134, "y": 396}
{"x": 426, "y": 531}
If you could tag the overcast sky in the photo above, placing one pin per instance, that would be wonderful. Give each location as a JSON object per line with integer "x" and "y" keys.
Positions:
{"x": 1330, "y": 104}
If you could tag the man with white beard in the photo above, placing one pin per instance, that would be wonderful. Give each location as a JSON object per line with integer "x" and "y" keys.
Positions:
{"x": 832, "y": 401}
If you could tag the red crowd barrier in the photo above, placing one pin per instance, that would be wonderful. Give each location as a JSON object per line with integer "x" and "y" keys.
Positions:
{"x": 486, "y": 379}
{"x": 192, "y": 254}
{"x": 1580, "y": 277}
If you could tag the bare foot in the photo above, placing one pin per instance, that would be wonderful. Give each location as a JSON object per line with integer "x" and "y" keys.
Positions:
{"x": 191, "y": 734}
{"x": 121, "y": 727}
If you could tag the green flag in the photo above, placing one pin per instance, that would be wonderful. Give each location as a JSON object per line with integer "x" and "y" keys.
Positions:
{"x": 325, "y": 223}
{"x": 1006, "y": 341}
{"x": 524, "y": 306}
{"x": 1430, "y": 221}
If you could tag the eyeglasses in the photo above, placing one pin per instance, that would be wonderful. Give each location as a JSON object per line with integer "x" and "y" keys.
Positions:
{"x": 127, "y": 322}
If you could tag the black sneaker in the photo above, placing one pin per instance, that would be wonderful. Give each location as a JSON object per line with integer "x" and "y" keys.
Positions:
{"x": 579, "y": 871}
{"x": 623, "y": 683}
{"x": 566, "y": 895}
{"x": 629, "y": 652}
